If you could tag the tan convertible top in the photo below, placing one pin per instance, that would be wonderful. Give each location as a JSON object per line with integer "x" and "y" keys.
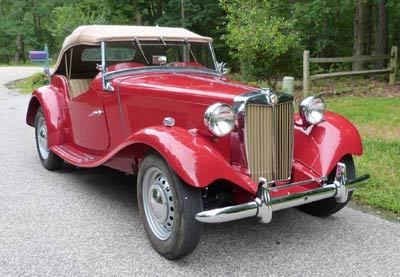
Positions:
{"x": 94, "y": 34}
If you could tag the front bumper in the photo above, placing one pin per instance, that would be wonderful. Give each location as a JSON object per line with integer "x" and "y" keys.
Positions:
{"x": 263, "y": 206}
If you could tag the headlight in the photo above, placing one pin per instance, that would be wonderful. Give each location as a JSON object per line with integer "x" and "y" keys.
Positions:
{"x": 312, "y": 110}
{"x": 220, "y": 119}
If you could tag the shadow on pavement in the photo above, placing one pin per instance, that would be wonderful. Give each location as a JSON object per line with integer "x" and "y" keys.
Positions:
{"x": 289, "y": 228}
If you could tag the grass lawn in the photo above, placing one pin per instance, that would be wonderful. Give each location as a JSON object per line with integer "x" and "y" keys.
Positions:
{"x": 378, "y": 120}
{"x": 25, "y": 86}
{"x": 29, "y": 84}
{"x": 20, "y": 65}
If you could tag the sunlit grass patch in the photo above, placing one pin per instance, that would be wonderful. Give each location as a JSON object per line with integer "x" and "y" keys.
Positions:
{"x": 29, "y": 84}
{"x": 382, "y": 160}
{"x": 378, "y": 120}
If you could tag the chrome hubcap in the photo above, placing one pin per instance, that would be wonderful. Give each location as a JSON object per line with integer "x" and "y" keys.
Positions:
{"x": 41, "y": 136}
{"x": 158, "y": 203}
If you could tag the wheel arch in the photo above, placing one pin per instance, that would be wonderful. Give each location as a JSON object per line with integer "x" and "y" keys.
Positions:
{"x": 33, "y": 107}
{"x": 51, "y": 102}
{"x": 192, "y": 156}
{"x": 322, "y": 146}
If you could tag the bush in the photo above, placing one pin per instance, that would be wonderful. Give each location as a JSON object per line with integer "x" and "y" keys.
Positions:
{"x": 265, "y": 44}
{"x": 39, "y": 79}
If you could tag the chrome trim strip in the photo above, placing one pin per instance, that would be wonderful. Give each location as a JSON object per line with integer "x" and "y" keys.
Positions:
{"x": 172, "y": 69}
{"x": 274, "y": 145}
{"x": 105, "y": 82}
{"x": 213, "y": 56}
{"x": 263, "y": 205}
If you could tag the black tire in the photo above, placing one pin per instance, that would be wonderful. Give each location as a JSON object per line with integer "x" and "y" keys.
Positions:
{"x": 50, "y": 161}
{"x": 329, "y": 206}
{"x": 187, "y": 202}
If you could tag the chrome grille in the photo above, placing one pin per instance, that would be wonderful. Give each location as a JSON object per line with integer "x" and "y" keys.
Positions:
{"x": 269, "y": 140}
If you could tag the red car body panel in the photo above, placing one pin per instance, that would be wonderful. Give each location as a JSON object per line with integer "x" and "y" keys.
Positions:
{"x": 50, "y": 99}
{"x": 321, "y": 146}
{"x": 132, "y": 124}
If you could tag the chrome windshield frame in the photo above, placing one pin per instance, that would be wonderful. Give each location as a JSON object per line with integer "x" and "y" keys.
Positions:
{"x": 107, "y": 76}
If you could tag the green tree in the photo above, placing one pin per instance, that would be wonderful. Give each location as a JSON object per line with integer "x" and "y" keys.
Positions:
{"x": 325, "y": 27}
{"x": 263, "y": 41}
{"x": 205, "y": 17}
{"x": 68, "y": 17}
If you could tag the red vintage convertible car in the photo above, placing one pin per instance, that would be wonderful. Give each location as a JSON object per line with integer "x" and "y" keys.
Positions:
{"x": 154, "y": 102}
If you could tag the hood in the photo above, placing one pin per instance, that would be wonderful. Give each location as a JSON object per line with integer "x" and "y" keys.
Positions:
{"x": 185, "y": 84}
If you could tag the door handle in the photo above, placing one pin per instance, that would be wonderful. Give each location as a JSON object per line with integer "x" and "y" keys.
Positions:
{"x": 96, "y": 113}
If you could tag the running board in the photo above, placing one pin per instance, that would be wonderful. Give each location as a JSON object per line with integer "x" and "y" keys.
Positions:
{"x": 74, "y": 156}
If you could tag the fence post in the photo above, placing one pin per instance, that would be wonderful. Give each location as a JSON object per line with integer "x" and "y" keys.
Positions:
{"x": 393, "y": 65}
{"x": 306, "y": 72}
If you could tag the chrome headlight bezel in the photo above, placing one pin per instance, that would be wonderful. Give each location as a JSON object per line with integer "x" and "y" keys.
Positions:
{"x": 219, "y": 119}
{"x": 312, "y": 110}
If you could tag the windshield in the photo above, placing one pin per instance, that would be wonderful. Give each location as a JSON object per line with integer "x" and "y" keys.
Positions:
{"x": 154, "y": 53}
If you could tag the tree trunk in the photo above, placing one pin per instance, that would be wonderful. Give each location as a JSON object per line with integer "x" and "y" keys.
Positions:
{"x": 160, "y": 8}
{"x": 183, "y": 13}
{"x": 36, "y": 18}
{"x": 137, "y": 14}
{"x": 362, "y": 31}
{"x": 138, "y": 18}
{"x": 381, "y": 38}
{"x": 19, "y": 53}
{"x": 395, "y": 23}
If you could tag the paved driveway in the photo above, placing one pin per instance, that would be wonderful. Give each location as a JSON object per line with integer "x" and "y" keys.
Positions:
{"x": 84, "y": 222}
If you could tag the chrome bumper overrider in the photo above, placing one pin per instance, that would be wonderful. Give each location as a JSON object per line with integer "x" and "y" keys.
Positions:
{"x": 263, "y": 206}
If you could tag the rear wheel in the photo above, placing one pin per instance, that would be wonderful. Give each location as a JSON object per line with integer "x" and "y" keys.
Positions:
{"x": 329, "y": 206}
{"x": 49, "y": 160}
{"x": 168, "y": 208}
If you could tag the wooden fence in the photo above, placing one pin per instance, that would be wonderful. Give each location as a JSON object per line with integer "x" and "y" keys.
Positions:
{"x": 307, "y": 78}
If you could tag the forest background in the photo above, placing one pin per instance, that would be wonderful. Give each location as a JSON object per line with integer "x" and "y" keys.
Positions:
{"x": 261, "y": 39}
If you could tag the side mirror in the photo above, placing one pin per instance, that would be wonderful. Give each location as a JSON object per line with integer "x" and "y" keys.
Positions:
{"x": 221, "y": 67}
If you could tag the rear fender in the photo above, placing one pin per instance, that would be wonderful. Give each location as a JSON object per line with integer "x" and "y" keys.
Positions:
{"x": 191, "y": 156}
{"x": 322, "y": 146}
{"x": 51, "y": 103}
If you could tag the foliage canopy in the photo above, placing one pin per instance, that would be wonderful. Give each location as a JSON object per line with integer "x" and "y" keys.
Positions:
{"x": 263, "y": 38}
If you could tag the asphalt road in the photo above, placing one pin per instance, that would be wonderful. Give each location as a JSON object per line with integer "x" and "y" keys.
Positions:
{"x": 84, "y": 222}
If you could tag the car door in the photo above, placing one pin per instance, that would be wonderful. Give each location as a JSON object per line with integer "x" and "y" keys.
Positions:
{"x": 88, "y": 120}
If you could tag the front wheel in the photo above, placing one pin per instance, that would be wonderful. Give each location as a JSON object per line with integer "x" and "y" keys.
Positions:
{"x": 329, "y": 206}
{"x": 168, "y": 208}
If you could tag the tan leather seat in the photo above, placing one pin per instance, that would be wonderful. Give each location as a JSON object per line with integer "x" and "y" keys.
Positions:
{"x": 78, "y": 87}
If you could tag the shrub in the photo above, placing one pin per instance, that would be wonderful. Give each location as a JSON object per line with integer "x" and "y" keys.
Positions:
{"x": 39, "y": 79}
{"x": 264, "y": 44}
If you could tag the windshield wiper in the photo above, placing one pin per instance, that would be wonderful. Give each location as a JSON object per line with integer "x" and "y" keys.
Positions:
{"x": 141, "y": 50}
{"x": 190, "y": 51}
{"x": 163, "y": 42}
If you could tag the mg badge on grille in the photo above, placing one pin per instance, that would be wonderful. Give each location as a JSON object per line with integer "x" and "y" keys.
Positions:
{"x": 274, "y": 99}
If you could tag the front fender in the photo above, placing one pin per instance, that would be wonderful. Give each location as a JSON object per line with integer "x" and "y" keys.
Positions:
{"x": 191, "y": 156}
{"x": 320, "y": 147}
{"x": 51, "y": 103}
